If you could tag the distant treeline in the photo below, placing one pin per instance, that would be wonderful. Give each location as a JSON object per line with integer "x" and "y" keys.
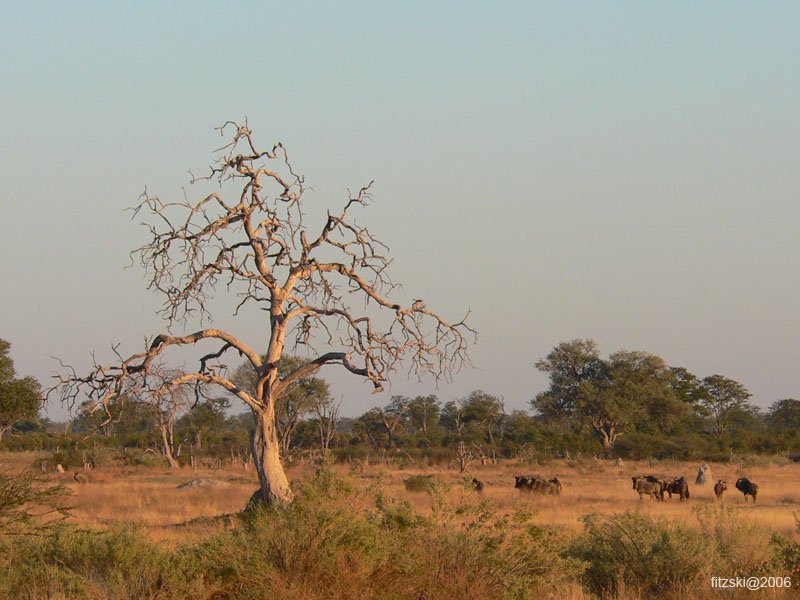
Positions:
{"x": 630, "y": 405}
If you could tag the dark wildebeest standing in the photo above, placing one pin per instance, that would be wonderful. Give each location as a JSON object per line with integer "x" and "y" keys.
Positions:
{"x": 521, "y": 483}
{"x": 542, "y": 486}
{"x": 720, "y": 487}
{"x": 747, "y": 487}
{"x": 677, "y": 486}
{"x": 477, "y": 485}
{"x": 538, "y": 484}
{"x": 648, "y": 485}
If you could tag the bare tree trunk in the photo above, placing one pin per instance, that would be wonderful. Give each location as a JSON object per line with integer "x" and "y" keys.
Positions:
{"x": 266, "y": 455}
{"x": 609, "y": 435}
{"x": 166, "y": 447}
{"x": 326, "y": 424}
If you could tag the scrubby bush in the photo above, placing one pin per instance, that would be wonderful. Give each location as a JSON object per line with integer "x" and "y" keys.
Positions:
{"x": 418, "y": 483}
{"x": 652, "y": 555}
{"x": 119, "y": 564}
{"x": 29, "y": 504}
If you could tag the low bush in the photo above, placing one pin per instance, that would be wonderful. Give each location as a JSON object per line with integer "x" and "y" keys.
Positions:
{"x": 632, "y": 551}
{"x": 418, "y": 483}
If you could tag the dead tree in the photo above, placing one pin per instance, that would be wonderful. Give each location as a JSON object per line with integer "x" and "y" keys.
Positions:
{"x": 168, "y": 403}
{"x": 326, "y": 414}
{"x": 249, "y": 237}
{"x": 464, "y": 457}
{"x": 392, "y": 419}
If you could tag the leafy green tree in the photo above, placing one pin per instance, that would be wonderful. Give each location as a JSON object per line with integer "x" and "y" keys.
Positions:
{"x": 633, "y": 385}
{"x": 380, "y": 426}
{"x": 482, "y": 410}
{"x": 370, "y": 427}
{"x": 20, "y": 399}
{"x": 202, "y": 419}
{"x": 451, "y": 418}
{"x": 423, "y": 414}
{"x": 784, "y": 416}
{"x": 686, "y": 385}
{"x": 720, "y": 396}
{"x": 568, "y": 365}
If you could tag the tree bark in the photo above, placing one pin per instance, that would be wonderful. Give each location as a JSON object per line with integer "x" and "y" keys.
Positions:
{"x": 166, "y": 445}
{"x": 609, "y": 435}
{"x": 266, "y": 455}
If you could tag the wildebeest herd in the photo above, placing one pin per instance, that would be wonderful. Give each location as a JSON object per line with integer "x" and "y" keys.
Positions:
{"x": 655, "y": 487}
{"x": 644, "y": 485}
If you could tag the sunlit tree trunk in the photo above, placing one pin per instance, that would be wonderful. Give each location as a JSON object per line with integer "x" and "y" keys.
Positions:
{"x": 266, "y": 455}
{"x": 166, "y": 445}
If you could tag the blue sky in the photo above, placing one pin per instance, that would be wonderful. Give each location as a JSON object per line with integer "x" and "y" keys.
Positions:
{"x": 621, "y": 171}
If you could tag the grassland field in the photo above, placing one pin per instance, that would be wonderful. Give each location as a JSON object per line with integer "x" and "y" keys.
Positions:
{"x": 152, "y": 499}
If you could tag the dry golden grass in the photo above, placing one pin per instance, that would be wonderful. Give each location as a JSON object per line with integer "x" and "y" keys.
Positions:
{"x": 600, "y": 487}
{"x": 150, "y": 497}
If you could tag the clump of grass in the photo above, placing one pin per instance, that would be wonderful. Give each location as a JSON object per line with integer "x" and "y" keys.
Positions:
{"x": 418, "y": 483}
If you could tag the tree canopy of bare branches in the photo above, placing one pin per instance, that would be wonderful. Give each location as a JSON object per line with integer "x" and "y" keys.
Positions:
{"x": 327, "y": 291}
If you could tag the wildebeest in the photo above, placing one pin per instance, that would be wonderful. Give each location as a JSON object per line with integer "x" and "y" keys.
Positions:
{"x": 677, "y": 486}
{"x": 747, "y": 487}
{"x": 720, "y": 487}
{"x": 647, "y": 484}
{"x": 552, "y": 487}
{"x": 555, "y": 486}
{"x": 477, "y": 485}
{"x": 521, "y": 483}
{"x": 538, "y": 484}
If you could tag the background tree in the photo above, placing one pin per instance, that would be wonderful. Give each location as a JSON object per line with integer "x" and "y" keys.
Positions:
{"x": 20, "y": 399}
{"x": 202, "y": 418}
{"x": 167, "y": 405}
{"x": 371, "y": 428}
{"x": 423, "y": 415}
{"x": 483, "y": 411}
{"x": 325, "y": 416}
{"x": 784, "y": 416}
{"x": 720, "y": 396}
{"x": 308, "y": 283}
{"x": 632, "y": 383}
{"x": 141, "y": 414}
{"x": 686, "y": 386}
{"x": 452, "y": 418}
{"x": 393, "y": 417}
{"x": 568, "y": 365}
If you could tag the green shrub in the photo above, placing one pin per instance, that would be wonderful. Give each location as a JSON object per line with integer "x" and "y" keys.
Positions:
{"x": 30, "y": 504}
{"x": 652, "y": 555}
{"x": 418, "y": 483}
{"x": 120, "y": 564}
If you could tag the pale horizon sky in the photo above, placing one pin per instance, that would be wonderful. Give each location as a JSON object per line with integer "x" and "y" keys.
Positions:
{"x": 626, "y": 172}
